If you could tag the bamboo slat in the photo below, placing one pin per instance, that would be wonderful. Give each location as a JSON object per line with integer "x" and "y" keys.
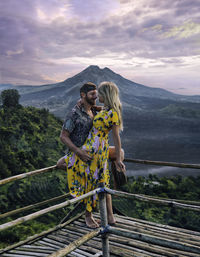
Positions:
{"x": 145, "y": 222}
{"x": 32, "y": 206}
{"x": 160, "y": 163}
{"x": 63, "y": 252}
{"x": 115, "y": 248}
{"x": 156, "y": 230}
{"x": 27, "y": 174}
{"x": 155, "y": 240}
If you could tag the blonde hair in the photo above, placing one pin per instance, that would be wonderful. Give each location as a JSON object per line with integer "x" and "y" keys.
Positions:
{"x": 110, "y": 93}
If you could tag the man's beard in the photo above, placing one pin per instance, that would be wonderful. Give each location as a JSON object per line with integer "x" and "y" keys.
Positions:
{"x": 90, "y": 101}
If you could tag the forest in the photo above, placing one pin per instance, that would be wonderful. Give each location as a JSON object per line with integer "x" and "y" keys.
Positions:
{"x": 29, "y": 140}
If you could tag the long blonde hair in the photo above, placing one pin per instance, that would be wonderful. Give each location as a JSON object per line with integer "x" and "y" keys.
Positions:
{"x": 110, "y": 93}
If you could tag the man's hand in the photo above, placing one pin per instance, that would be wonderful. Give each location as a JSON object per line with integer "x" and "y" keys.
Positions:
{"x": 83, "y": 155}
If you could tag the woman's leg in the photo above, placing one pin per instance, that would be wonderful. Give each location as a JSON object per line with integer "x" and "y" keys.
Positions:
{"x": 111, "y": 218}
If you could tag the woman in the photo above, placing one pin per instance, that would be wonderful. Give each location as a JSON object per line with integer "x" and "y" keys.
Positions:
{"x": 84, "y": 177}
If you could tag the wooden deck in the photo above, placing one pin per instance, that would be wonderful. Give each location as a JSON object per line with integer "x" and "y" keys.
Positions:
{"x": 139, "y": 244}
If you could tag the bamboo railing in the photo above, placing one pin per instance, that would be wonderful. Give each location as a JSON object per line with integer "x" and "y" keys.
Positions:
{"x": 47, "y": 210}
{"x": 32, "y": 206}
{"x": 25, "y": 175}
{"x": 190, "y": 205}
{"x": 160, "y": 163}
{"x": 147, "y": 162}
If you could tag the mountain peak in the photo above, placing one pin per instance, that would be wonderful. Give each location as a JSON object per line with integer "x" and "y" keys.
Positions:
{"x": 93, "y": 68}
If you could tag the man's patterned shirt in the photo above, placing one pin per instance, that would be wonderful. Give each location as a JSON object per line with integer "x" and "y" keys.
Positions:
{"x": 78, "y": 123}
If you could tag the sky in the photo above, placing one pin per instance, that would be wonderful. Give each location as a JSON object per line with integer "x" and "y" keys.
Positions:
{"x": 155, "y": 43}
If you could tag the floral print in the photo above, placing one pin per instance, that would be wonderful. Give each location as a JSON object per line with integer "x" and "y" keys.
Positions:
{"x": 83, "y": 177}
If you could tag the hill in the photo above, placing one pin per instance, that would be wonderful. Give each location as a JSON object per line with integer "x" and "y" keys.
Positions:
{"x": 29, "y": 139}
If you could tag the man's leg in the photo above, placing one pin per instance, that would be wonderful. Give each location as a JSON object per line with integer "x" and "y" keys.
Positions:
{"x": 112, "y": 153}
{"x": 61, "y": 164}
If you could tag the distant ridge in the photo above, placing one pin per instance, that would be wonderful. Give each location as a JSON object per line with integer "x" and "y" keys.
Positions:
{"x": 57, "y": 97}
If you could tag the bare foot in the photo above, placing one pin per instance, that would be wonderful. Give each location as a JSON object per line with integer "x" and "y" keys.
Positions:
{"x": 90, "y": 221}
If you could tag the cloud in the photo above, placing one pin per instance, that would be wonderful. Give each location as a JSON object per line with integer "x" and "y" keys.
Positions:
{"x": 188, "y": 29}
{"x": 48, "y": 38}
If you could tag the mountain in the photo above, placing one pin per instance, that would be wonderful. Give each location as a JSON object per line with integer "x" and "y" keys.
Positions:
{"x": 158, "y": 125}
{"x": 59, "y": 97}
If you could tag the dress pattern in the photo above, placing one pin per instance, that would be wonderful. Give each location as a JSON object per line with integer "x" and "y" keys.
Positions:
{"x": 83, "y": 177}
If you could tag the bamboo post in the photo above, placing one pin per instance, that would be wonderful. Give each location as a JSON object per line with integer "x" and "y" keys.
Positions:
{"x": 74, "y": 245}
{"x": 104, "y": 221}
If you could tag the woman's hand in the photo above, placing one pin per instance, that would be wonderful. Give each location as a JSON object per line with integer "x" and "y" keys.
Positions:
{"x": 120, "y": 166}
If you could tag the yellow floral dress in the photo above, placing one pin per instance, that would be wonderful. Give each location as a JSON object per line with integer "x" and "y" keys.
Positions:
{"x": 84, "y": 177}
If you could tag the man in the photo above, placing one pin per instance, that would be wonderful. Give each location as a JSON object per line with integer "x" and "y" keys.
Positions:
{"x": 75, "y": 131}
{"x": 78, "y": 123}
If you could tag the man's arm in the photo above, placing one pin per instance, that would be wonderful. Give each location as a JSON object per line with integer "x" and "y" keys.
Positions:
{"x": 83, "y": 154}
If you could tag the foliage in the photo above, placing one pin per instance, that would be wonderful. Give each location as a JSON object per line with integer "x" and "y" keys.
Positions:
{"x": 29, "y": 139}
{"x": 181, "y": 111}
{"x": 10, "y": 98}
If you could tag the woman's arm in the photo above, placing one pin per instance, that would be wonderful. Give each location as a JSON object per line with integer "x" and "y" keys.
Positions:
{"x": 117, "y": 143}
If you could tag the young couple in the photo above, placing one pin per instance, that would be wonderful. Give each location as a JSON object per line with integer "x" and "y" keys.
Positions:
{"x": 85, "y": 133}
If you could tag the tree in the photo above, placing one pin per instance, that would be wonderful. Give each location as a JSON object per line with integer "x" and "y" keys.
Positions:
{"x": 10, "y": 98}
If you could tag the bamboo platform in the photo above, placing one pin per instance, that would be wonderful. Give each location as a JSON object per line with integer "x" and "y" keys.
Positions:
{"x": 130, "y": 237}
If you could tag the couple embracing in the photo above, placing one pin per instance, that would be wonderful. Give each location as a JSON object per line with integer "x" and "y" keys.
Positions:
{"x": 85, "y": 133}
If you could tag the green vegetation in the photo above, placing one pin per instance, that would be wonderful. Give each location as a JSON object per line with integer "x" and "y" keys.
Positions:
{"x": 29, "y": 139}
{"x": 181, "y": 111}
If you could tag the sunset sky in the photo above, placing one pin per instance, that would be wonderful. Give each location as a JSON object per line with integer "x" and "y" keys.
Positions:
{"x": 155, "y": 43}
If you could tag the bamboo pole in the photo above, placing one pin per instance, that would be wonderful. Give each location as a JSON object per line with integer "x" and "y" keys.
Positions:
{"x": 160, "y": 163}
{"x": 46, "y": 210}
{"x": 104, "y": 221}
{"x": 152, "y": 199}
{"x": 37, "y": 236}
{"x": 155, "y": 240}
{"x": 29, "y": 207}
{"x": 27, "y": 174}
{"x": 63, "y": 252}
{"x": 178, "y": 201}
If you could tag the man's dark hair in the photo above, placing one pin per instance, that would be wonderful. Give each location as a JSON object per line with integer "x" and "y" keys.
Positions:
{"x": 88, "y": 87}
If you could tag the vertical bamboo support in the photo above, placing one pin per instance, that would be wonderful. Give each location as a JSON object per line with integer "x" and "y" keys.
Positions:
{"x": 104, "y": 222}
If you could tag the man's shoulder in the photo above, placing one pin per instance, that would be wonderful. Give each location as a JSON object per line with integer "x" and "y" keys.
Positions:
{"x": 74, "y": 112}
